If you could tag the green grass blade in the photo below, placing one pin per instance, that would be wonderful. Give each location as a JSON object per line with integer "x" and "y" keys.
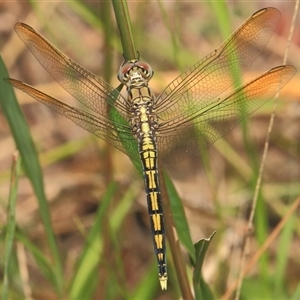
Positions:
{"x": 40, "y": 257}
{"x": 221, "y": 14}
{"x": 30, "y": 163}
{"x": 201, "y": 289}
{"x": 261, "y": 231}
{"x": 115, "y": 116}
{"x": 173, "y": 27}
{"x": 147, "y": 287}
{"x": 85, "y": 279}
{"x": 283, "y": 249}
{"x": 124, "y": 25}
{"x": 180, "y": 218}
{"x": 123, "y": 208}
{"x": 296, "y": 295}
{"x": 87, "y": 265}
{"x": 11, "y": 224}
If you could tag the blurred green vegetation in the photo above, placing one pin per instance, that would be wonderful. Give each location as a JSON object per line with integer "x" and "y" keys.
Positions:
{"x": 102, "y": 249}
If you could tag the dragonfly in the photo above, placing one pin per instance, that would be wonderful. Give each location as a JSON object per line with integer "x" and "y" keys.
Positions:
{"x": 194, "y": 110}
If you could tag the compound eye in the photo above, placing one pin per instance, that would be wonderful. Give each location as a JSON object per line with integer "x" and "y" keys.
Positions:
{"x": 124, "y": 69}
{"x": 143, "y": 65}
{"x": 147, "y": 70}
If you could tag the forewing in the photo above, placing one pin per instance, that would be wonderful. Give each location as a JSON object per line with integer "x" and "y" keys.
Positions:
{"x": 199, "y": 129}
{"x": 213, "y": 75}
{"x": 86, "y": 87}
{"x": 118, "y": 134}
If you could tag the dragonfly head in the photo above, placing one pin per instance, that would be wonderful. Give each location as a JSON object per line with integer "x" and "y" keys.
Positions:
{"x": 135, "y": 73}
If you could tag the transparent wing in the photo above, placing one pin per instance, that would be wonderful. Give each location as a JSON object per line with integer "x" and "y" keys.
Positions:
{"x": 91, "y": 91}
{"x": 197, "y": 129}
{"x": 186, "y": 107}
{"x": 117, "y": 134}
{"x": 218, "y": 71}
{"x": 82, "y": 84}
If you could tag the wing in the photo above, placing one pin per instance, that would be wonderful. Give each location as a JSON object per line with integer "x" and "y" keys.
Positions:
{"x": 198, "y": 129}
{"x": 110, "y": 122}
{"x": 116, "y": 133}
{"x": 219, "y": 70}
{"x": 91, "y": 91}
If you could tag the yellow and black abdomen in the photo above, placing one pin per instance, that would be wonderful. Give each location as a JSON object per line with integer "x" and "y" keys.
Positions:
{"x": 143, "y": 126}
{"x": 148, "y": 153}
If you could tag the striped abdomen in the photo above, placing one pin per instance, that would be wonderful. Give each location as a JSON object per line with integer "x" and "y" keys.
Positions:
{"x": 148, "y": 153}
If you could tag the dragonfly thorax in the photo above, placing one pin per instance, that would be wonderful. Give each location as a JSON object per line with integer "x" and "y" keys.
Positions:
{"x": 143, "y": 119}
